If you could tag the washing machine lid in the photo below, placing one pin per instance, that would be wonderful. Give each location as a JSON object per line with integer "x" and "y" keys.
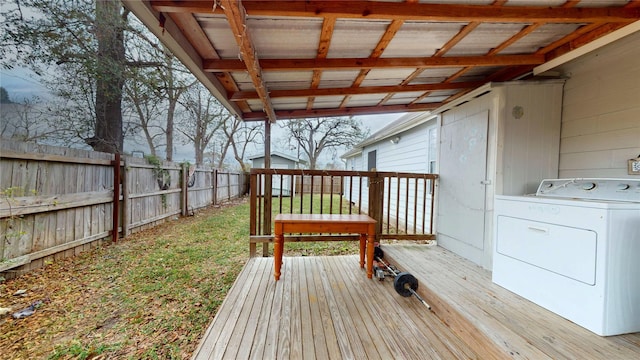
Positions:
{"x": 605, "y": 189}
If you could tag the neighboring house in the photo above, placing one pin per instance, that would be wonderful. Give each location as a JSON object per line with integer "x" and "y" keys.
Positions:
{"x": 505, "y": 138}
{"x": 409, "y": 144}
{"x": 279, "y": 161}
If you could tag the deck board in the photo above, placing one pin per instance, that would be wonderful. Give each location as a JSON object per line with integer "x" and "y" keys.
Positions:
{"x": 323, "y": 308}
{"x": 518, "y": 327}
{"x": 326, "y": 308}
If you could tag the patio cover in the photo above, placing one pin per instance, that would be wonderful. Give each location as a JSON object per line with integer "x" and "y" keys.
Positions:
{"x": 269, "y": 60}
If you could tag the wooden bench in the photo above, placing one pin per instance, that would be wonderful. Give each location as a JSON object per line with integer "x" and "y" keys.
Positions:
{"x": 325, "y": 223}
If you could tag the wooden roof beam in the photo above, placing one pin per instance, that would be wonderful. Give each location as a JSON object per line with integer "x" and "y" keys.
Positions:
{"x": 415, "y": 11}
{"x": 323, "y": 49}
{"x": 251, "y": 95}
{"x": 236, "y": 17}
{"x": 213, "y": 65}
{"x": 348, "y": 111}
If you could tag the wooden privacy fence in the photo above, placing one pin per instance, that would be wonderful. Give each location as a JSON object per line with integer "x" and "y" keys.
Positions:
{"x": 55, "y": 201}
{"x": 309, "y": 184}
{"x": 402, "y": 203}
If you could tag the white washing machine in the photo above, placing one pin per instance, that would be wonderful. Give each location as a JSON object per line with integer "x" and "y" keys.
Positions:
{"x": 574, "y": 249}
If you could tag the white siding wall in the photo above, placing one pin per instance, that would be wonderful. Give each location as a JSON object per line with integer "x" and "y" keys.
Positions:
{"x": 410, "y": 154}
{"x": 601, "y": 111}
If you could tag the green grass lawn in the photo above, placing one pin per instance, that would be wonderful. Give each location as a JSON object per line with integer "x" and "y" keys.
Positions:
{"x": 151, "y": 296}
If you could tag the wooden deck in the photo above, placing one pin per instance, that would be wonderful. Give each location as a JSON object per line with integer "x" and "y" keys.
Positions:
{"x": 326, "y": 308}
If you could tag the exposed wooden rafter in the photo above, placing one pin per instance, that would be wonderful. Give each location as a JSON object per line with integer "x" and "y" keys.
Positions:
{"x": 349, "y": 111}
{"x": 370, "y": 63}
{"x": 323, "y": 49}
{"x": 249, "y": 95}
{"x": 236, "y": 17}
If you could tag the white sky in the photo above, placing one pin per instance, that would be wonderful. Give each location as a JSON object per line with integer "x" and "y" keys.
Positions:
{"x": 21, "y": 83}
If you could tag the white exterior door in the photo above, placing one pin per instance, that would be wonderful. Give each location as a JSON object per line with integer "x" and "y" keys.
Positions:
{"x": 463, "y": 175}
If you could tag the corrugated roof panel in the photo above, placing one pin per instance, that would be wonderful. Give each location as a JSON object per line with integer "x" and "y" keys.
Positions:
{"x": 356, "y": 38}
{"x": 327, "y": 102}
{"x": 337, "y": 78}
{"x": 243, "y": 80}
{"x": 432, "y": 99}
{"x": 289, "y": 103}
{"x": 435, "y": 75}
{"x": 285, "y": 76}
{"x": 302, "y": 36}
{"x": 386, "y": 77}
{"x": 429, "y": 37}
{"x": 544, "y": 3}
{"x": 217, "y": 30}
{"x": 255, "y": 105}
{"x": 404, "y": 97}
{"x": 365, "y": 100}
{"x": 540, "y": 37}
{"x": 484, "y": 38}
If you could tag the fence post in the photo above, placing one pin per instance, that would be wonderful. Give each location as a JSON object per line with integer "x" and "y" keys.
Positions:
{"x": 376, "y": 195}
{"x": 184, "y": 175}
{"x": 116, "y": 197}
{"x": 214, "y": 184}
{"x": 125, "y": 198}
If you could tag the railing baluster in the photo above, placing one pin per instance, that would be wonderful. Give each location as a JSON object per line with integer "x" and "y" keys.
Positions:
{"x": 321, "y": 192}
{"x": 331, "y": 196}
{"x": 260, "y": 201}
{"x": 301, "y": 190}
{"x": 398, "y": 205}
{"x": 293, "y": 191}
{"x": 360, "y": 194}
{"x": 388, "y": 202}
{"x": 424, "y": 205}
{"x": 350, "y": 192}
{"x": 280, "y": 197}
{"x": 406, "y": 206}
{"x": 415, "y": 205}
{"x": 312, "y": 193}
{"x": 341, "y": 192}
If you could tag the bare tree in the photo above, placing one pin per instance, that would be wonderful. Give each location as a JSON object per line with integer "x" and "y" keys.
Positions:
{"x": 316, "y": 135}
{"x": 239, "y": 135}
{"x": 202, "y": 119}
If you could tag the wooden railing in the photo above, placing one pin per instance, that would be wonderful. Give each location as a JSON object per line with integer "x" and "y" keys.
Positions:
{"x": 402, "y": 203}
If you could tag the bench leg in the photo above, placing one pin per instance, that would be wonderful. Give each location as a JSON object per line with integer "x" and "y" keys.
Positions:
{"x": 277, "y": 250}
{"x": 371, "y": 238}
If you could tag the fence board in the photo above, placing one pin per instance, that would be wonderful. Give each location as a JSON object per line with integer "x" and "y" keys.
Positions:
{"x": 56, "y": 202}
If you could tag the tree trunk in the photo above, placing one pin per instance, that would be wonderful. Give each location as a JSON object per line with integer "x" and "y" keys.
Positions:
{"x": 109, "y": 29}
{"x": 173, "y": 100}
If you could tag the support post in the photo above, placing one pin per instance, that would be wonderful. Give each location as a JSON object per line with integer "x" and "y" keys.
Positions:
{"x": 376, "y": 199}
{"x": 253, "y": 204}
{"x": 267, "y": 187}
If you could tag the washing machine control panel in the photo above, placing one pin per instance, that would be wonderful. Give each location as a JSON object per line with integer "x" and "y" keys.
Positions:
{"x": 626, "y": 190}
